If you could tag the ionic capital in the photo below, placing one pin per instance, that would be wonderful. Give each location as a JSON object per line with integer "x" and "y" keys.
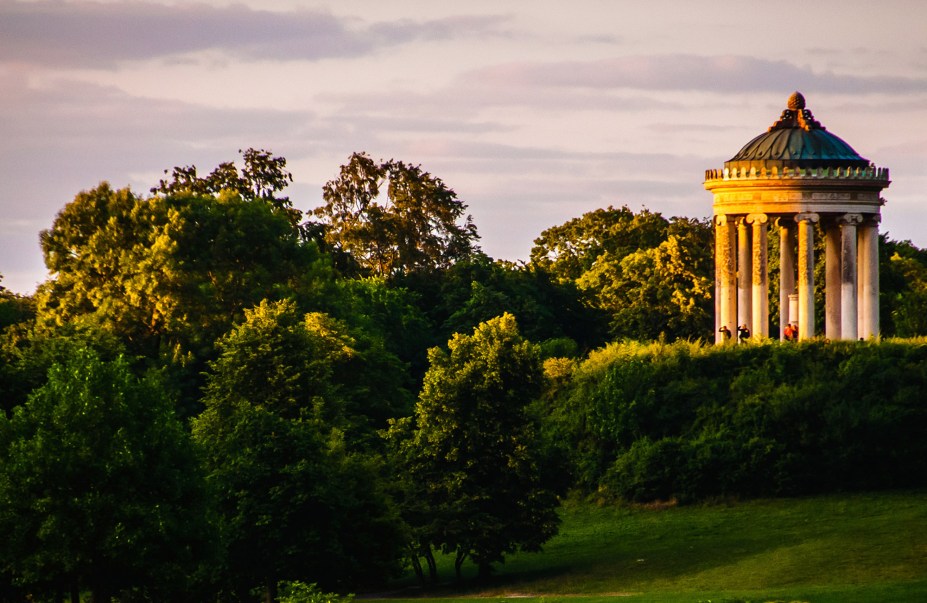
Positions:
{"x": 808, "y": 217}
{"x": 757, "y": 218}
{"x": 723, "y": 219}
{"x": 850, "y": 219}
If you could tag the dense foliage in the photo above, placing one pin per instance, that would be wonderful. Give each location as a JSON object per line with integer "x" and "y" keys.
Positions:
{"x": 467, "y": 453}
{"x": 653, "y": 277}
{"x": 209, "y": 398}
{"x": 415, "y": 226}
{"x": 100, "y": 488}
{"x": 644, "y": 422}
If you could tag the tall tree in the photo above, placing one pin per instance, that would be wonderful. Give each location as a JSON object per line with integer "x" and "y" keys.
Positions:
{"x": 170, "y": 274}
{"x": 262, "y": 178}
{"x": 468, "y": 451}
{"x": 418, "y": 225}
{"x": 100, "y": 487}
{"x": 295, "y": 503}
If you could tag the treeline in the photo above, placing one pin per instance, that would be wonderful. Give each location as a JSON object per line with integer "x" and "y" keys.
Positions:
{"x": 214, "y": 395}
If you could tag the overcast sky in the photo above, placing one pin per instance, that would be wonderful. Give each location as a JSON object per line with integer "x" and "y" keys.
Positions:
{"x": 534, "y": 112}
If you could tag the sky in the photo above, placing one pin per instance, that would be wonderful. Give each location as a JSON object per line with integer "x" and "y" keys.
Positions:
{"x": 533, "y": 112}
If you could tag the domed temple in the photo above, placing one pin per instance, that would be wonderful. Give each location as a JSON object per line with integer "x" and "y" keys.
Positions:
{"x": 798, "y": 174}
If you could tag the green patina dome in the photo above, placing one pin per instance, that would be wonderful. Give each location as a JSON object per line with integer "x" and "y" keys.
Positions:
{"x": 796, "y": 140}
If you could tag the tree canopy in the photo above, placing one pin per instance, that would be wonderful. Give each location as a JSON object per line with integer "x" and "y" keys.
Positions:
{"x": 171, "y": 274}
{"x": 419, "y": 224}
{"x": 294, "y": 502}
{"x": 262, "y": 178}
{"x": 468, "y": 450}
{"x": 100, "y": 487}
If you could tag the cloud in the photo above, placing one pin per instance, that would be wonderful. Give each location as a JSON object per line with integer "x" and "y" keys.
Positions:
{"x": 98, "y": 35}
{"x": 718, "y": 74}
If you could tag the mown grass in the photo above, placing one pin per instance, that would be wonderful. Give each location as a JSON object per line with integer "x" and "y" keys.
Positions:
{"x": 854, "y": 547}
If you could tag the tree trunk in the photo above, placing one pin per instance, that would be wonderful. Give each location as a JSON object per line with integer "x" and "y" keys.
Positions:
{"x": 432, "y": 565}
{"x": 270, "y": 591}
{"x": 416, "y": 564}
{"x": 458, "y": 562}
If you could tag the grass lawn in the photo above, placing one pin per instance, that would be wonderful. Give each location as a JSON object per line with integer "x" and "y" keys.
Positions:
{"x": 855, "y": 547}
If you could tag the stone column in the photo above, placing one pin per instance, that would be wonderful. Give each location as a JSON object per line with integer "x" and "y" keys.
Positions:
{"x": 760, "y": 260}
{"x": 744, "y": 274}
{"x": 806, "y": 223}
{"x": 726, "y": 266}
{"x": 869, "y": 278}
{"x": 786, "y": 271}
{"x": 832, "y": 287}
{"x": 848, "y": 271}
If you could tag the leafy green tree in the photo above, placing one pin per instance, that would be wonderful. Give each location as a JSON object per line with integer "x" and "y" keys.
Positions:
{"x": 14, "y": 309}
{"x": 571, "y": 249}
{"x": 665, "y": 290}
{"x": 909, "y": 315}
{"x": 416, "y": 226}
{"x": 28, "y": 352}
{"x": 295, "y": 504}
{"x": 169, "y": 275}
{"x": 477, "y": 289}
{"x": 468, "y": 451}
{"x": 262, "y": 178}
{"x": 652, "y": 276}
{"x": 100, "y": 486}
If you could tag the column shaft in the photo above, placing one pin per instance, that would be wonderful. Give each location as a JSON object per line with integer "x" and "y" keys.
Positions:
{"x": 848, "y": 288}
{"x": 726, "y": 262}
{"x": 786, "y": 272}
{"x": 869, "y": 279}
{"x": 744, "y": 274}
{"x": 832, "y": 287}
{"x": 806, "y": 274}
{"x": 760, "y": 294}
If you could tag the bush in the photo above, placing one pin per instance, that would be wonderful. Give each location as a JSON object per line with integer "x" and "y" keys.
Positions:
{"x": 300, "y": 592}
{"x": 687, "y": 421}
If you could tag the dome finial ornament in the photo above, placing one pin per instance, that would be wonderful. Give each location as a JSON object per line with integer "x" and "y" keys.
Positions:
{"x": 796, "y": 116}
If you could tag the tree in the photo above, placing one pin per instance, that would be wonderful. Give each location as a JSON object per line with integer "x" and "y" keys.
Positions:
{"x": 295, "y": 503}
{"x": 261, "y": 179}
{"x": 909, "y": 305}
{"x": 415, "y": 227}
{"x": 170, "y": 274}
{"x": 100, "y": 486}
{"x": 665, "y": 290}
{"x": 28, "y": 352}
{"x": 468, "y": 451}
{"x": 569, "y": 250}
{"x": 650, "y": 274}
{"x": 14, "y": 308}
{"x": 478, "y": 289}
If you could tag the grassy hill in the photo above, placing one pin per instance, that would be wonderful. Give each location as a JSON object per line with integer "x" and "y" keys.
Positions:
{"x": 855, "y": 547}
